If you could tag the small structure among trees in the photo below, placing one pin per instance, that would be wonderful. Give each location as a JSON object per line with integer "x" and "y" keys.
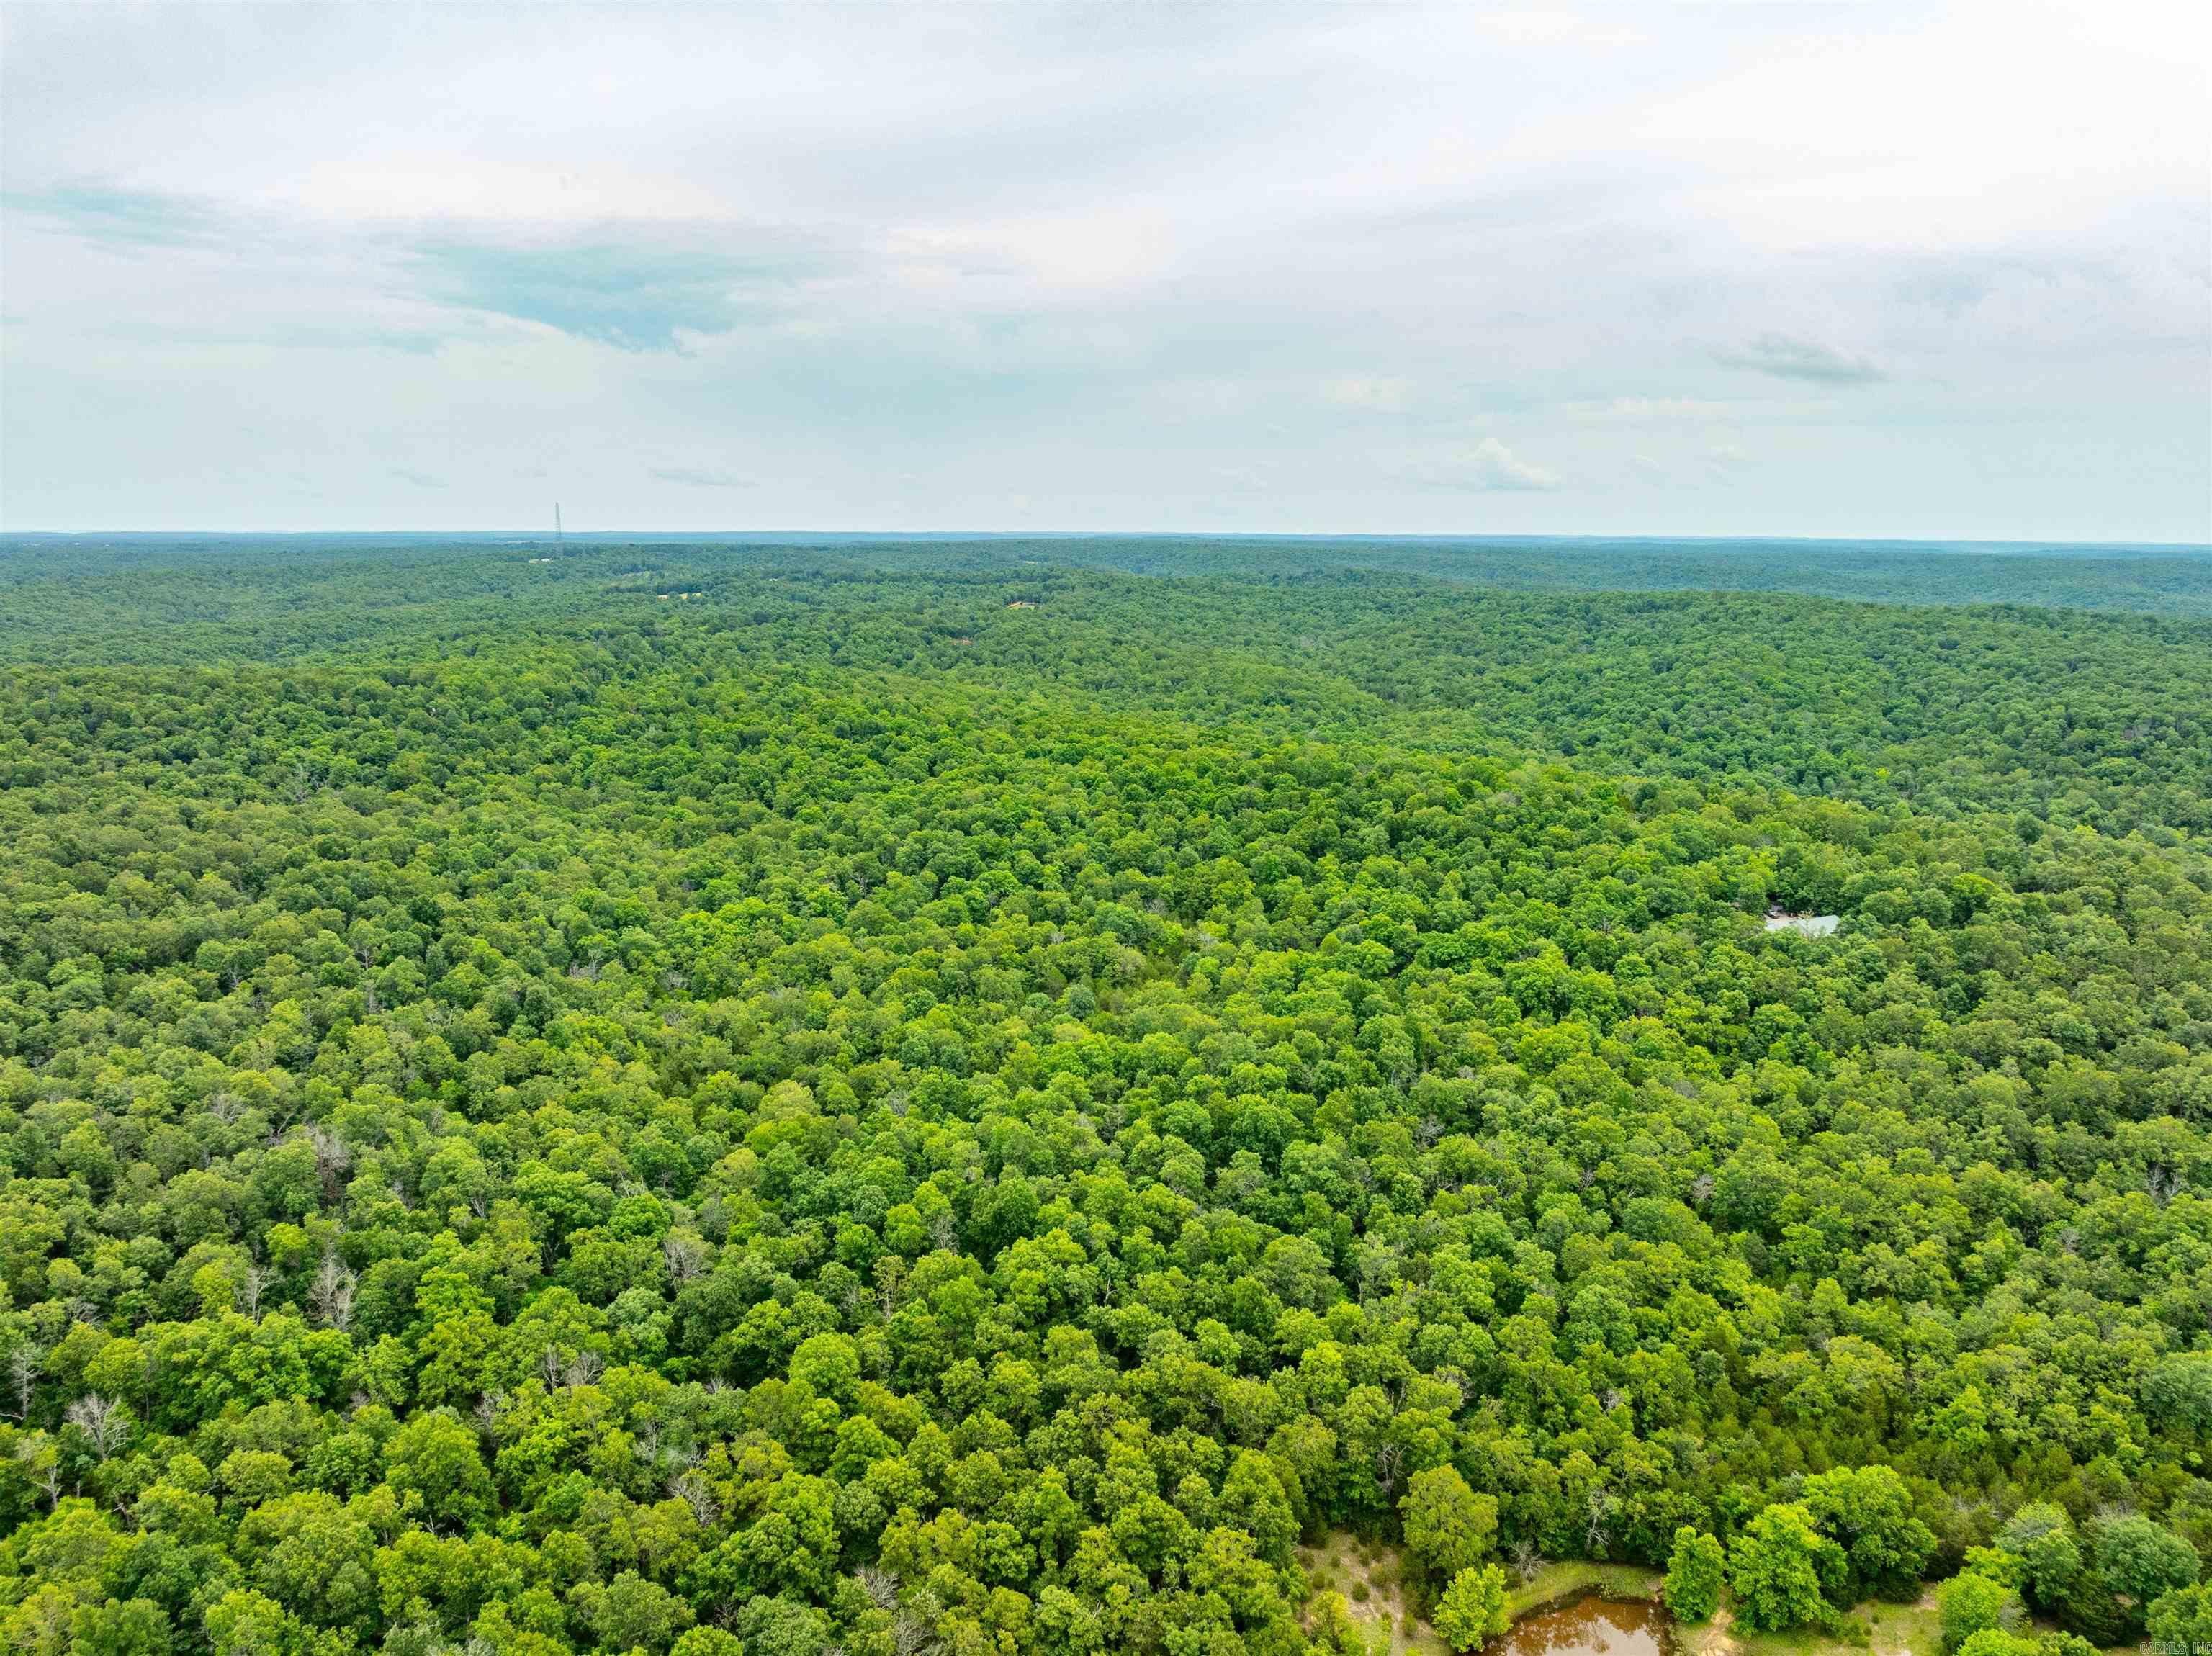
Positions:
{"x": 1811, "y": 926}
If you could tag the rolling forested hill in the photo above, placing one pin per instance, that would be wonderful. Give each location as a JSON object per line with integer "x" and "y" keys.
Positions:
{"x": 728, "y": 1099}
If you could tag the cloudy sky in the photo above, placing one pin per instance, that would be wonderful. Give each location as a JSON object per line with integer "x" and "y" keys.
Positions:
{"x": 1869, "y": 269}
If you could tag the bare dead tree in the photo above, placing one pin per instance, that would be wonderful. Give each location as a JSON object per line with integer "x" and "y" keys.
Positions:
{"x": 252, "y": 1284}
{"x": 693, "y": 1490}
{"x": 686, "y": 1256}
{"x": 891, "y": 1277}
{"x": 1389, "y": 1459}
{"x": 911, "y": 1636}
{"x": 330, "y": 1295}
{"x": 24, "y": 1364}
{"x": 41, "y": 1461}
{"x": 101, "y": 1419}
{"x": 1527, "y": 1561}
{"x": 880, "y": 1584}
{"x": 1595, "y": 1536}
{"x": 333, "y": 1155}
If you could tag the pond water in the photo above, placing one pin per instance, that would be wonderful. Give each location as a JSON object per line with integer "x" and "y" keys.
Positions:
{"x": 1589, "y": 1627}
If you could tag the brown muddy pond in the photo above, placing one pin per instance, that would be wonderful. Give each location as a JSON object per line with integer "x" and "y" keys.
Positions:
{"x": 1589, "y": 1627}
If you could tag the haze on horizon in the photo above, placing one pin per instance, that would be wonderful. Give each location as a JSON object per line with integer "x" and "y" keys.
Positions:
{"x": 1874, "y": 269}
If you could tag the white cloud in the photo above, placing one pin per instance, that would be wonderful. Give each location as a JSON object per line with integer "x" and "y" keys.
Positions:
{"x": 1382, "y": 393}
{"x": 1784, "y": 357}
{"x": 407, "y": 188}
{"x": 1113, "y": 258}
{"x": 1555, "y": 28}
{"x": 1485, "y": 463}
{"x": 1093, "y": 251}
{"x": 703, "y": 477}
{"x": 1654, "y": 411}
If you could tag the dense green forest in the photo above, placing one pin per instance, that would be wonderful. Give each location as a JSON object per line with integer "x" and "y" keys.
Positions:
{"x": 738, "y": 1100}
{"x": 2103, "y": 718}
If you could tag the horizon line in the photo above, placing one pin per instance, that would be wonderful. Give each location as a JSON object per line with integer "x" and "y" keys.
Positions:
{"x": 530, "y": 534}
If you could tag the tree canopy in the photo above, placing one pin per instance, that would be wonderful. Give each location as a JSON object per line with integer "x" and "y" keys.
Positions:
{"x": 786, "y": 1124}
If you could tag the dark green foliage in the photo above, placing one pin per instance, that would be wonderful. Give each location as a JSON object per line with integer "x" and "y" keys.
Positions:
{"x": 2059, "y": 715}
{"x": 728, "y": 1133}
{"x": 2041, "y": 1535}
{"x": 2143, "y": 1561}
{"x": 1869, "y": 1511}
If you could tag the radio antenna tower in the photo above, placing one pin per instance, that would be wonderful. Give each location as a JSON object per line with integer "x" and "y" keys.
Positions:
{"x": 559, "y": 539}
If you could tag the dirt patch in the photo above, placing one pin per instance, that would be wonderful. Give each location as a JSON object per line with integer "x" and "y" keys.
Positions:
{"x": 1709, "y": 1638}
{"x": 1371, "y": 1576}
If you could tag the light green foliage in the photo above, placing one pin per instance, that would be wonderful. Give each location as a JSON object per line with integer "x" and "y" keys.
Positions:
{"x": 243, "y": 1623}
{"x": 1780, "y": 1568}
{"x": 1473, "y": 1608}
{"x": 1448, "y": 1528}
{"x": 540, "y": 1121}
{"x": 1697, "y": 1571}
{"x": 707, "y": 1641}
{"x": 2181, "y": 1621}
{"x": 1997, "y": 1641}
{"x": 314, "y": 1557}
{"x": 1972, "y": 1603}
{"x": 632, "y": 1613}
{"x": 434, "y": 1459}
{"x": 1869, "y": 1511}
{"x": 134, "y": 1627}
